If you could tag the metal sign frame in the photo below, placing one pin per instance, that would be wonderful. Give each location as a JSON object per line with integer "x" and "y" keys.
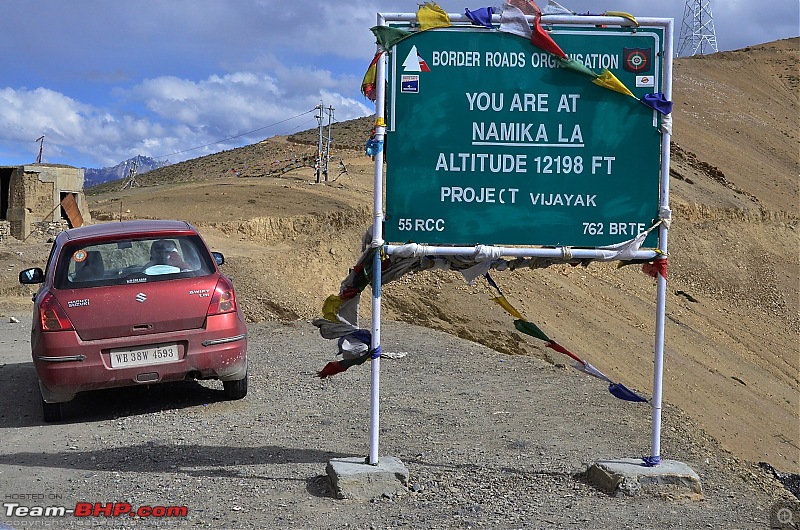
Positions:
{"x": 500, "y": 144}
{"x": 461, "y": 22}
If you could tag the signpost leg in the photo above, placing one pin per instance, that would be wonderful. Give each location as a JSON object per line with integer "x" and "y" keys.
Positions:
{"x": 375, "y": 385}
{"x": 661, "y": 281}
{"x": 658, "y": 371}
{"x": 377, "y": 242}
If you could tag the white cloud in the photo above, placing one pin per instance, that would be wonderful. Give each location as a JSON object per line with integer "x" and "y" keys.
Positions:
{"x": 155, "y": 77}
{"x": 31, "y": 113}
{"x": 167, "y": 114}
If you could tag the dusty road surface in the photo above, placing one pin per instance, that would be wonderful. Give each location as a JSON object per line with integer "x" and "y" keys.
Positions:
{"x": 490, "y": 441}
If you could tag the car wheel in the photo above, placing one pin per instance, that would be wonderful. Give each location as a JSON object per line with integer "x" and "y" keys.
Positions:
{"x": 51, "y": 411}
{"x": 235, "y": 389}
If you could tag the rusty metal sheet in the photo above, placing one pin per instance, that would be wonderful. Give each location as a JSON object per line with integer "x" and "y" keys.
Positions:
{"x": 72, "y": 211}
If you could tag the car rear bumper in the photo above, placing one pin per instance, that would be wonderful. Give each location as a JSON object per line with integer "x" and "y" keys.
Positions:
{"x": 67, "y": 365}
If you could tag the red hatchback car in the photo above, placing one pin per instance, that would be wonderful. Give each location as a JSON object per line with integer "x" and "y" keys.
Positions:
{"x": 131, "y": 303}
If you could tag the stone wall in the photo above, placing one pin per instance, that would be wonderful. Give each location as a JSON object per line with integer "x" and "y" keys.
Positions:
{"x": 47, "y": 230}
{"x": 35, "y": 193}
{"x": 5, "y": 230}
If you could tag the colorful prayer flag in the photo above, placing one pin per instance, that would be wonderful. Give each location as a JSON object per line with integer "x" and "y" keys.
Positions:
{"x": 541, "y": 39}
{"x": 656, "y": 268}
{"x": 368, "y": 83}
{"x": 620, "y": 391}
{"x": 622, "y": 14}
{"x": 331, "y": 307}
{"x": 505, "y": 304}
{"x": 657, "y": 101}
{"x": 554, "y": 8}
{"x": 337, "y": 367}
{"x": 577, "y": 66}
{"x": 529, "y": 328}
{"x": 430, "y": 15}
{"x": 610, "y": 81}
{"x": 528, "y": 7}
{"x": 388, "y": 36}
{"x": 513, "y": 21}
{"x": 481, "y": 17}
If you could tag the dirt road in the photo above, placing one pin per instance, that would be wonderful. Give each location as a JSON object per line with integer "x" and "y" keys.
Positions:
{"x": 490, "y": 440}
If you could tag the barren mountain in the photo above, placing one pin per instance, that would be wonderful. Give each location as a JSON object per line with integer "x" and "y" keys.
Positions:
{"x": 731, "y": 354}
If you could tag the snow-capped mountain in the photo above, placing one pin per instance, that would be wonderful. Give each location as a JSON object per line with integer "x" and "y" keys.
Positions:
{"x": 93, "y": 176}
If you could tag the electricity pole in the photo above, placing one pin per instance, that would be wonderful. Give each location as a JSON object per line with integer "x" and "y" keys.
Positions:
{"x": 319, "y": 145}
{"x": 41, "y": 143}
{"x": 328, "y": 146}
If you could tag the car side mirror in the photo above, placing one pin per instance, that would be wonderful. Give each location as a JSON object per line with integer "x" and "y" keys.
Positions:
{"x": 31, "y": 276}
{"x": 218, "y": 257}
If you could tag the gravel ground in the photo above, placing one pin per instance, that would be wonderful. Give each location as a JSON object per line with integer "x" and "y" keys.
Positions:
{"x": 490, "y": 441}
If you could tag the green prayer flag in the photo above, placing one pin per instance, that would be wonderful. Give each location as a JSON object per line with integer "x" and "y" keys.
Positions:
{"x": 529, "y": 328}
{"x": 577, "y": 66}
{"x": 388, "y": 37}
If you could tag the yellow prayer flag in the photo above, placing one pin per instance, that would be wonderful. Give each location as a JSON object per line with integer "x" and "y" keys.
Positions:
{"x": 430, "y": 15}
{"x": 610, "y": 81}
{"x": 626, "y": 16}
{"x": 331, "y": 307}
{"x": 505, "y": 304}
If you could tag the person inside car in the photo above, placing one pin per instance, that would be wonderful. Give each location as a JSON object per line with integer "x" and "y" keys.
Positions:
{"x": 164, "y": 258}
{"x": 90, "y": 268}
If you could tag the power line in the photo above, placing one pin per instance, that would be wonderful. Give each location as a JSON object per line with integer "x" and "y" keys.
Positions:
{"x": 237, "y": 136}
{"x": 304, "y": 125}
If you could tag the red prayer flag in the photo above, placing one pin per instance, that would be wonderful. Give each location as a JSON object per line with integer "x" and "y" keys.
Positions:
{"x": 541, "y": 39}
{"x": 659, "y": 266}
{"x": 561, "y": 349}
{"x": 332, "y": 368}
{"x": 368, "y": 83}
{"x": 528, "y": 7}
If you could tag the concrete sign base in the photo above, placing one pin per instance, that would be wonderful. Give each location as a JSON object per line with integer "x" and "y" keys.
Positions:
{"x": 629, "y": 476}
{"x": 354, "y": 478}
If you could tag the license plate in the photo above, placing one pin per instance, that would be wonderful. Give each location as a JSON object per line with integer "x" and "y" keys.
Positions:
{"x": 126, "y": 357}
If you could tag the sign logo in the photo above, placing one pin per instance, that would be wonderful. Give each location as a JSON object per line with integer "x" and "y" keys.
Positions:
{"x": 409, "y": 84}
{"x": 636, "y": 60}
{"x": 645, "y": 81}
{"x": 414, "y": 62}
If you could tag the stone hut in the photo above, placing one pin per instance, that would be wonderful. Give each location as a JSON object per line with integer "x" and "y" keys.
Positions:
{"x": 42, "y": 198}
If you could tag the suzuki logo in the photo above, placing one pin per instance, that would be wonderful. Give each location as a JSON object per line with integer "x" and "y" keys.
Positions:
{"x": 141, "y": 297}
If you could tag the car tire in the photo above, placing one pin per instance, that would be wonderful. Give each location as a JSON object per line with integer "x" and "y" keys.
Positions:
{"x": 235, "y": 389}
{"x": 51, "y": 412}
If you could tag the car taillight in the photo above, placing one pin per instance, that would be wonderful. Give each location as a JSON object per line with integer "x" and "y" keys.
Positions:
{"x": 52, "y": 315}
{"x": 224, "y": 300}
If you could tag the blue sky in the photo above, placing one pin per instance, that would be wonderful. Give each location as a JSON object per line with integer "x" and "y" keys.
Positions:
{"x": 106, "y": 80}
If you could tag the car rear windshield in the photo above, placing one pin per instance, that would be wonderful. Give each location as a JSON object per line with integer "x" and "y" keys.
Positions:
{"x": 132, "y": 261}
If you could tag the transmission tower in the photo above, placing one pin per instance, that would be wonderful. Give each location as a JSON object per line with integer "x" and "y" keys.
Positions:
{"x": 132, "y": 170}
{"x": 697, "y": 31}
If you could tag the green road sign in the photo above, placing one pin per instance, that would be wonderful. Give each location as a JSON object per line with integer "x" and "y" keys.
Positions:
{"x": 490, "y": 141}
